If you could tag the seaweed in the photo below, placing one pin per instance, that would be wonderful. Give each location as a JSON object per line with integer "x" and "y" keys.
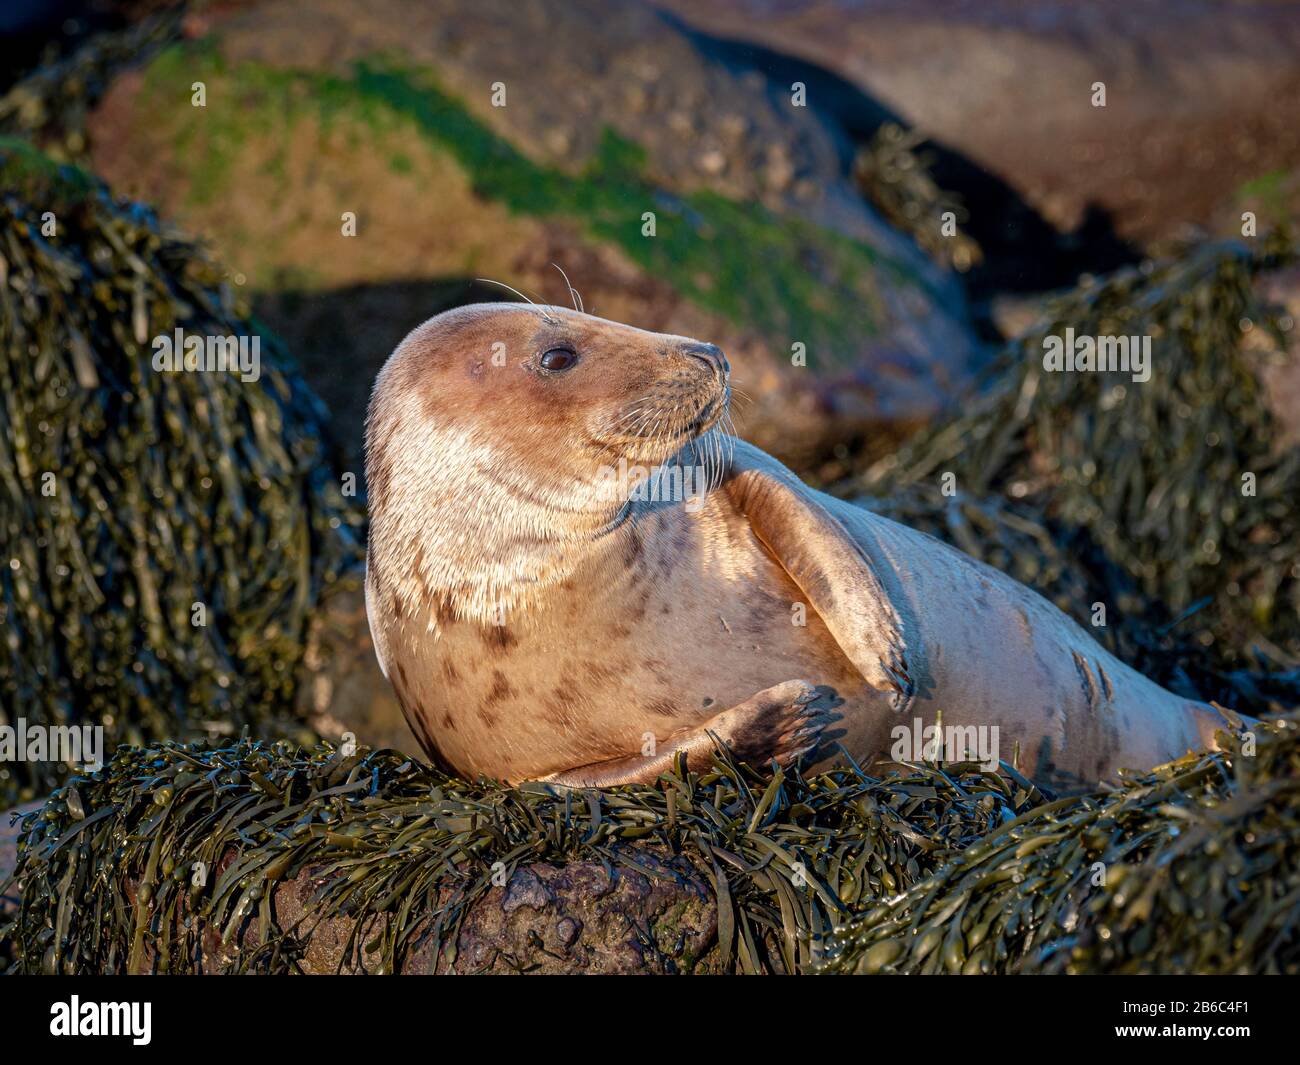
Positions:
{"x": 935, "y": 867}
{"x": 1192, "y": 868}
{"x": 1166, "y": 501}
{"x": 897, "y": 179}
{"x": 788, "y": 857}
{"x": 131, "y": 498}
{"x": 49, "y": 105}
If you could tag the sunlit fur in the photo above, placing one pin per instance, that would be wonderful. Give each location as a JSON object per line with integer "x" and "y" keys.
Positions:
{"x": 468, "y": 520}
{"x": 533, "y": 622}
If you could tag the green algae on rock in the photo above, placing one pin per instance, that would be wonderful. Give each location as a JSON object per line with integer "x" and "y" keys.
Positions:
{"x": 816, "y": 285}
{"x": 844, "y": 326}
{"x": 163, "y": 535}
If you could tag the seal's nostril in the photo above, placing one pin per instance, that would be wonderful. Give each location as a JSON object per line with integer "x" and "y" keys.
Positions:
{"x": 710, "y": 354}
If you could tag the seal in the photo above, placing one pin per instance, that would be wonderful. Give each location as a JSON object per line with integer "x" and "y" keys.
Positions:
{"x": 575, "y": 574}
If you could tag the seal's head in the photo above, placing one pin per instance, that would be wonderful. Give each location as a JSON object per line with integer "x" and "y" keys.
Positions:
{"x": 492, "y": 433}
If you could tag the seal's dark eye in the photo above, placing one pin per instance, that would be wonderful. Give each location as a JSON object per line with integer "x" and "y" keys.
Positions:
{"x": 558, "y": 359}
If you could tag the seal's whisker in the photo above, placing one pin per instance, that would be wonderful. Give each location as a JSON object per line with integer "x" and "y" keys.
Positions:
{"x": 651, "y": 427}
{"x": 573, "y": 292}
{"x": 725, "y": 444}
{"x": 508, "y": 288}
{"x": 740, "y": 393}
{"x": 541, "y": 309}
{"x": 639, "y": 411}
{"x": 657, "y": 434}
{"x": 728, "y": 426}
{"x": 637, "y": 427}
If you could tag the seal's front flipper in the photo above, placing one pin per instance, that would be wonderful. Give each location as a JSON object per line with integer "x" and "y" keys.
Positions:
{"x": 782, "y": 722}
{"x": 827, "y": 564}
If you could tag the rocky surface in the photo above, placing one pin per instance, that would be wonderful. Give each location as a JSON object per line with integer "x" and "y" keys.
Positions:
{"x": 1281, "y": 378}
{"x": 341, "y": 689}
{"x": 578, "y": 918}
{"x": 386, "y": 109}
{"x": 1202, "y": 96}
{"x": 9, "y": 833}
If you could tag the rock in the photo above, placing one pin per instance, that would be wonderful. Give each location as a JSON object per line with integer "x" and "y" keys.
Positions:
{"x": 583, "y": 917}
{"x": 712, "y": 161}
{"x": 1281, "y": 378}
{"x": 604, "y": 120}
{"x": 1201, "y": 97}
{"x": 341, "y": 689}
{"x": 579, "y": 918}
{"x": 9, "y": 852}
